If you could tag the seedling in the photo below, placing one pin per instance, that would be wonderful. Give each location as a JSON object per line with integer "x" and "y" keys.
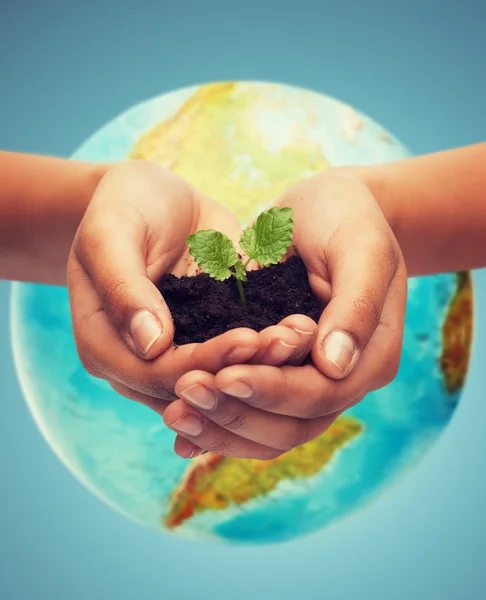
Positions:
{"x": 266, "y": 241}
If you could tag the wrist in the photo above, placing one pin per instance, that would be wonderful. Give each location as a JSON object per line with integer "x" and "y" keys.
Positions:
{"x": 90, "y": 176}
{"x": 79, "y": 183}
{"x": 42, "y": 202}
{"x": 95, "y": 173}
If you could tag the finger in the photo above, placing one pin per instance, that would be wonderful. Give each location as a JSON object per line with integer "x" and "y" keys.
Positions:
{"x": 358, "y": 262}
{"x": 112, "y": 359}
{"x": 361, "y": 276}
{"x": 277, "y": 344}
{"x": 198, "y": 390}
{"x": 186, "y": 449}
{"x": 306, "y": 329}
{"x": 305, "y": 392}
{"x": 191, "y": 425}
{"x": 111, "y": 249}
{"x": 302, "y": 392}
{"x": 156, "y": 404}
{"x": 233, "y": 347}
{"x": 101, "y": 347}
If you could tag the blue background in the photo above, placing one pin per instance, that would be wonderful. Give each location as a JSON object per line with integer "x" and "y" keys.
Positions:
{"x": 418, "y": 69}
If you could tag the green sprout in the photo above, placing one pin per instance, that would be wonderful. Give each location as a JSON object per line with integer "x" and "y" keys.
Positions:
{"x": 266, "y": 242}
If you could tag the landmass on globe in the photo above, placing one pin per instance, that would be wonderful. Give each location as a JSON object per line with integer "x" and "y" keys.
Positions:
{"x": 227, "y": 124}
{"x": 457, "y": 334}
{"x": 213, "y": 482}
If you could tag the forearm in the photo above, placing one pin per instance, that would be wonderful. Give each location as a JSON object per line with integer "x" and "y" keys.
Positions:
{"x": 42, "y": 201}
{"x": 436, "y": 205}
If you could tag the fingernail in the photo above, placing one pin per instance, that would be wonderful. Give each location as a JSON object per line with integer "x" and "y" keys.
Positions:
{"x": 197, "y": 452}
{"x": 238, "y": 389}
{"x": 188, "y": 424}
{"x": 200, "y": 396}
{"x": 241, "y": 354}
{"x": 339, "y": 349}
{"x": 145, "y": 330}
{"x": 280, "y": 351}
{"x": 302, "y": 332}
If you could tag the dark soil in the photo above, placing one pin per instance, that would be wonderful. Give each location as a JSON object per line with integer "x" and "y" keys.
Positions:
{"x": 203, "y": 308}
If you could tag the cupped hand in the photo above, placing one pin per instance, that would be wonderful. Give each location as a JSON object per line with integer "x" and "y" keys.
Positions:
{"x": 134, "y": 230}
{"x": 356, "y": 267}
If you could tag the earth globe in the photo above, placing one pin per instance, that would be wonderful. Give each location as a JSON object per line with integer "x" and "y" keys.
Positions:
{"x": 243, "y": 143}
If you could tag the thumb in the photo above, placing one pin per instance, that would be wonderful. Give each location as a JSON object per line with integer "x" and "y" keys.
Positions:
{"x": 361, "y": 275}
{"x": 116, "y": 265}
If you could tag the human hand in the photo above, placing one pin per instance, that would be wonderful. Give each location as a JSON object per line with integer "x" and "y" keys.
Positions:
{"x": 355, "y": 265}
{"x": 134, "y": 230}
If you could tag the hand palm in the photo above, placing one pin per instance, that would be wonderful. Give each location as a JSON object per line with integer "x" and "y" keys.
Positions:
{"x": 134, "y": 230}
{"x": 170, "y": 253}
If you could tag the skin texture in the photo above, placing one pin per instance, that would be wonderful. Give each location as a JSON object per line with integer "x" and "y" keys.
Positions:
{"x": 355, "y": 230}
{"x": 243, "y": 394}
{"x": 261, "y": 411}
{"x": 134, "y": 230}
{"x": 436, "y": 206}
{"x": 42, "y": 201}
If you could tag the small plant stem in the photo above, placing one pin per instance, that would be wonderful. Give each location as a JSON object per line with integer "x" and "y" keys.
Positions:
{"x": 240, "y": 289}
{"x": 247, "y": 263}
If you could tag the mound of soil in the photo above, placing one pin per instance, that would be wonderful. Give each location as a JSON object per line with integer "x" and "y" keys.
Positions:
{"x": 203, "y": 308}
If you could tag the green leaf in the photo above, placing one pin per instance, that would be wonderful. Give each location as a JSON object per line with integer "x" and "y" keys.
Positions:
{"x": 269, "y": 238}
{"x": 240, "y": 271}
{"x": 214, "y": 253}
